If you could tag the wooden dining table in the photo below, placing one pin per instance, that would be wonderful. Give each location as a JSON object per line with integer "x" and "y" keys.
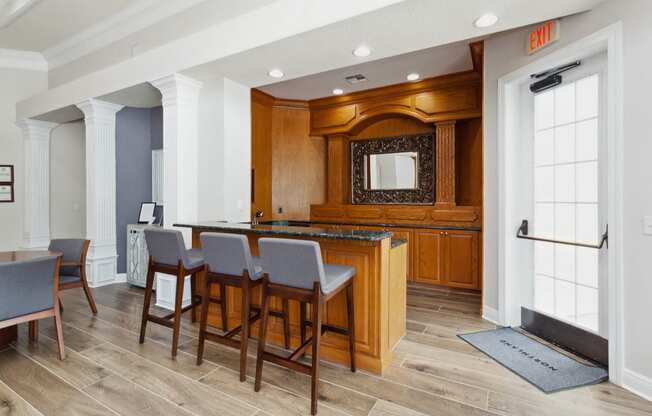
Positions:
{"x": 9, "y": 334}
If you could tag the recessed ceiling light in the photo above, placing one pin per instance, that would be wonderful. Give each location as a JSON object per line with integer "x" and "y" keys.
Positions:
{"x": 338, "y": 91}
{"x": 413, "y": 76}
{"x": 362, "y": 51}
{"x": 486, "y": 20}
{"x": 276, "y": 73}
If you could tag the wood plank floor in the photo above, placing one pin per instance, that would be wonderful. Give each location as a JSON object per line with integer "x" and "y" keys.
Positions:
{"x": 434, "y": 373}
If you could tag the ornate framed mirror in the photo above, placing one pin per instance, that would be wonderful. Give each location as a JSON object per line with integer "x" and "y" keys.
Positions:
{"x": 393, "y": 170}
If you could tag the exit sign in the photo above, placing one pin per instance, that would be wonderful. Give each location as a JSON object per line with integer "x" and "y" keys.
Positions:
{"x": 543, "y": 35}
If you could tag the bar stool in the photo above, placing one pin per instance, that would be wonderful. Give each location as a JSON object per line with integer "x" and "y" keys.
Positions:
{"x": 72, "y": 274}
{"x": 229, "y": 263}
{"x": 294, "y": 270}
{"x": 168, "y": 254}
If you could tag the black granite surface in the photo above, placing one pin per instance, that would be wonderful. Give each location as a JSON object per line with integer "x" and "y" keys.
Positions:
{"x": 291, "y": 230}
{"x": 298, "y": 223}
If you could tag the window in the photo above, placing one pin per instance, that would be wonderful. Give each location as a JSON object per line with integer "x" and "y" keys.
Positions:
{"x": 566, "y": 183}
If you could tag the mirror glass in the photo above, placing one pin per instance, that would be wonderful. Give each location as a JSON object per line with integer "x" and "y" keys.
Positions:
{"x": 386, "y": 171}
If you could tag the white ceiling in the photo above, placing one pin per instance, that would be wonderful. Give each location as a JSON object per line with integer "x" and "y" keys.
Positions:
{"x": 440, "y": 60}
{"x": 50, "y": 22}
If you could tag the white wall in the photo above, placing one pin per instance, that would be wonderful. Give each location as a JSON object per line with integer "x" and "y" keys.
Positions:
{"x": 505, "y": 53}
{"x": 68, "y": 181}
{"x": 224, "y": 151}
{"x": 15, "y": 85}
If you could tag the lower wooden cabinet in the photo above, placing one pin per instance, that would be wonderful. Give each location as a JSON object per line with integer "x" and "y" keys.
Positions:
{"x": 449, "y": 258}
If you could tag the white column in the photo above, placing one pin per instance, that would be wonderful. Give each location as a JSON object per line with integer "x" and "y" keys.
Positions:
{"x": 180, "y": 99}
{"x": 36, "y": 226}
{"x": 99, "y": 118}
{"x": 180, "y": 120}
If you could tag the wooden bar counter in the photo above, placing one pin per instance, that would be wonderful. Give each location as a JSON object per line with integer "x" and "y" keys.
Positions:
{"x": 379, "y": 289}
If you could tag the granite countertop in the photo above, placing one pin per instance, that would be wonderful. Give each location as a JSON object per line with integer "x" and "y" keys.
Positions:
{"x": 303, "y": 223}
{"x": 292, "y": 230}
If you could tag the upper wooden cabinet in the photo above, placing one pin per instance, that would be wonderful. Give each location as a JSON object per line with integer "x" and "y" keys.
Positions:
{"x": 449, "y": 97}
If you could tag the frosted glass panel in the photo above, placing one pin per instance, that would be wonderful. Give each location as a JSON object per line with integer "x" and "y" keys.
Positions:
{"x": 565, "y": 300}
{"x": 565, "y": 144}
{"x": 544, "y": 288}
{"x": 545, "y": 114}
{"x": 544, "y": 222}
{"x": 587, "y": 223}
{"x": 544, "y": 260}
{"x": 565, "y": 183}
{"x": 544, "y": 148}
{"x": 565, "y": 222}
{"x": 587, "y": 307}
{"x": 587, "y": 97}
{"x": 586, "y": 175}
{"x": 565, "y": 262}
{"x": 544, "y": 184}
{"x": 587, "y": 266}
{"x": 565, "y": 104}
{"x": 586, "y": 140}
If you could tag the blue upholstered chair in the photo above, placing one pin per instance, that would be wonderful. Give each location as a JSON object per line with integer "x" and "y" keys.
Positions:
{"x": 293, "y": 269}
{"x": 29, "y": 291}
{"x": 230, "y": 263}
{"x": 168, "y": 255}
{"x": 72, "y": 274}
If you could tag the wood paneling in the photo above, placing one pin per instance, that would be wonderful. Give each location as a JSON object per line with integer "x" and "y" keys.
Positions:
{"x": 298, "y": 164}
{"x": 429, "y": 267}
{"x": 462, "y": 259}
{"x": 445, "y": 163}
{"x": 393, "y": 126}
{"x": 261, "y": 153}
{"x": 468, "y": 162}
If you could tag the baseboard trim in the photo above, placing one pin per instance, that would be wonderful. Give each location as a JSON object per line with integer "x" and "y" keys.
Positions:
{"x": 637, "y": 384}
{"x": 490, "y": 314}
{"x": 119, "y": 278}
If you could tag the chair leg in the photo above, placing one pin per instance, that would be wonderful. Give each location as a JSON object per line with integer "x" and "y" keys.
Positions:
{"x": 148, "y": 298}
{"x": 262, "y": 338}
{"x": 59, "y": 328}
{"x": 193, "y": 297}
{"x": 351, "y": 323}
{"x": 203, "y": 320}
{"x": 225, "y": 316}
{"x": 178, "y": 305}
{"x": 316, "y": 338}
{"x": 286, "y": 323}
{"x": 302, "y": 324}
{"x": 244, "y": 331}
{"x": 89, "y": 293}
{"x": 33, "y": 331}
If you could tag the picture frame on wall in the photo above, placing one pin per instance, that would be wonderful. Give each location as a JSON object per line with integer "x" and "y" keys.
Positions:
{"x": 6, "y": 183}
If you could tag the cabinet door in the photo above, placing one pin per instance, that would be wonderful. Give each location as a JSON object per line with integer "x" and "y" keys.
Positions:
{"x": 462, "y": 259}
{"x": 428, "y": 252}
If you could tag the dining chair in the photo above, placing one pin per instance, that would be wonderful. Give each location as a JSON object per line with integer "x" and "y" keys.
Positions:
{"x": 168, "y": 255}
{"x": 294, "y": 269}
{"x": 29, "y": 291}
{"x": 229, "y": 263}
{"x": 72, "y": 274}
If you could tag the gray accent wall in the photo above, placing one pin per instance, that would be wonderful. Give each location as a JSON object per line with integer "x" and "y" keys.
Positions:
{"x": 138, "y": 131}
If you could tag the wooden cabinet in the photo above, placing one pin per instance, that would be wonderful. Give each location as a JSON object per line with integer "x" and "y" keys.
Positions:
{"x": 447, "y": 258}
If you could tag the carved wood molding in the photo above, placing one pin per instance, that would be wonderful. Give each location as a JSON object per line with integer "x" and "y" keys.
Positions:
{"x": 423, "y": 144}
{"x": 445, "y": 156}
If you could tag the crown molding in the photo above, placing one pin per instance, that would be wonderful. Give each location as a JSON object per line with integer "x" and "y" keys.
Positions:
{"x": 12, "y": 10}
{"x": 138, "y": 16}
{"x": 17, "y": 59}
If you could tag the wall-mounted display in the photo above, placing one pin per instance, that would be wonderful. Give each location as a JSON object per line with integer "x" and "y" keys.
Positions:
{"x": 6, "y": 183}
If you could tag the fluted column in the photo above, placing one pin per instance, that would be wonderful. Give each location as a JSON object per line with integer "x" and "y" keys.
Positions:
{"x": 445, "y": 163}
{"x": 36, "y": 219}
{"x": 99, "y": 118}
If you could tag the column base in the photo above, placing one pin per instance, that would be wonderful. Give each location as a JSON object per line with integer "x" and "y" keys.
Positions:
{"x": 166, "y": 290}
{"x": 101, "y": 266}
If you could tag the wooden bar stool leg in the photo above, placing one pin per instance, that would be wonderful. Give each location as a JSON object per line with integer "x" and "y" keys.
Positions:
{"x": 351, "y": 323}
{"x": 193, "y": 297}
{"x": 225, "y": 315}
{"x": 33, "y": 331}
{"x": 286, "y": 323}
{"x": 59, "y": 329}
{"x": 88, "y": 293}
{"x": 244, "y": 330}
{"x": 302, "y": 324}
{"x": 316, "y": 338}
{"x": 203, "y": 320}
{"x": 148, "y": 298}
{"x": 178, "y": 305}
{"x": 262, "y": 337}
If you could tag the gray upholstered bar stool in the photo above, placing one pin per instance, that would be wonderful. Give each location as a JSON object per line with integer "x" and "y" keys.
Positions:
{"x": 230, "y": 263}
{"x": 168, "y": 254}
{"x": 293, "y": 269}
{"x": 73, "y": 266}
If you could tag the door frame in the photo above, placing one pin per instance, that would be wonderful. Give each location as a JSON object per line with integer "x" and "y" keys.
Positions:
{"x": 510, "y": 292}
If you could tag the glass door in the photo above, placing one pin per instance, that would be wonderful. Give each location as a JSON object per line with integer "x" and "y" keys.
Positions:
{"x": 568, "y": 199}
